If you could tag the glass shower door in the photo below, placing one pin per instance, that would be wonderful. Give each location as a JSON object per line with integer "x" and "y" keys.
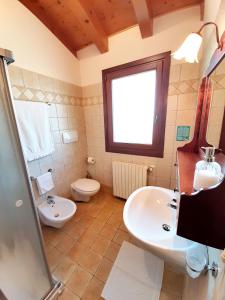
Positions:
{"x": 24, "y": 273}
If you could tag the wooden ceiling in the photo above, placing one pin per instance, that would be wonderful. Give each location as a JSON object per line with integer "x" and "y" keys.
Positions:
{"x": 78, "y": 23}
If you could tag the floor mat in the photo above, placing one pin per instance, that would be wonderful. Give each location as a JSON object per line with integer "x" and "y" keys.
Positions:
{"x": 136, "y": 275}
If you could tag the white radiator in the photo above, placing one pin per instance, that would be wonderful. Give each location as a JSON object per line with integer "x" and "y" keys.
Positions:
{"x": 128, "y": 177}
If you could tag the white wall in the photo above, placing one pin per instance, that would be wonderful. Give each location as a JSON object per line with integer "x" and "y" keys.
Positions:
{"x": 169, "y": 32}
{"x": 35, "y": 48}
{"x": 214, "y": 12}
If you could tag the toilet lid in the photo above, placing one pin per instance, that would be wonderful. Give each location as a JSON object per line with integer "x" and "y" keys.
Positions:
{"x": 86, "y": 185}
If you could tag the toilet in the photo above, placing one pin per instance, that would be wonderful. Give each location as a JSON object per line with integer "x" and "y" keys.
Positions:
{"x": 82, "y": 189}
{"x": 57, "y": 211}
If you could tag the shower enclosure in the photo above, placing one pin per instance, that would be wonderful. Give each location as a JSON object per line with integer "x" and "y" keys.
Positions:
{"x": 24, "y": 272}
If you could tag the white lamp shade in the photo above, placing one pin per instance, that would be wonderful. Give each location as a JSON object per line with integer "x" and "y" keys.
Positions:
{"x": 189, "y": 49}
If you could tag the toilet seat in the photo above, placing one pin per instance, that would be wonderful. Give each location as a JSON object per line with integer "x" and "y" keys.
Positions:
{"x": 86, "y": 185}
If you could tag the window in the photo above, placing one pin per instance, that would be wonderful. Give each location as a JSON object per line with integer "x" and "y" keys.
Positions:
{"x": 135, "y": 98}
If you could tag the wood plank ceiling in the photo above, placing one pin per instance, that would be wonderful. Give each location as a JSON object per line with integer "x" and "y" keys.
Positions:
{"x": 78, "y": 23}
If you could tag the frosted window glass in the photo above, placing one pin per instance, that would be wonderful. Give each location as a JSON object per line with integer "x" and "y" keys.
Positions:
{"x": 133, "y": 105}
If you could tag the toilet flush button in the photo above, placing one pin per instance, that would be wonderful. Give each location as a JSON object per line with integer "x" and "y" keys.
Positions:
{"x": 19, "y": 203}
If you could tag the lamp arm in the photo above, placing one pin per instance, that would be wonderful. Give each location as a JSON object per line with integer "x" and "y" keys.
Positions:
{"x": 217, "y": 31}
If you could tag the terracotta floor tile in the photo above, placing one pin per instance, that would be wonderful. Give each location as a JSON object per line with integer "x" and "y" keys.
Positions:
{"x": 123, "y": 227}
{"x": 94, "y": 211}
{"x": 168, "y": 296}
{"x": 75, "y": 230}
{"x": 97, "y": 225}
{"x": 88, "y": 245}
{"x": 52, "y": 235}
{"x": 104, "y": 269}
{"x": 48, "y": 247}
{"x": 112, "y": 251}
{"x": 108, "y": 232}
{"x": 172, "y": 283}
{"x": 100, "y": 245}
{"x": 113, "y": 222}
{"x": 86, "y": 221}
{"x": 121, "y": 236}
{"x": 104, "y": 216}
{"x": 88, "y": 237}
{"x": 65, "y": 269}
{"x": 76, "y": 251}
{"x": 54, "y": 257}
{"x": 94, "y": 290}
{"x": 68, "y": 295}
{"x": 79, "y": 281}
{"x": 65, "y": 244}
{"x": 90, "y": 261}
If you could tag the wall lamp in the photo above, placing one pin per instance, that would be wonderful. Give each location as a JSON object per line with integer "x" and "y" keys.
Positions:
{"x": 191, "y": 45}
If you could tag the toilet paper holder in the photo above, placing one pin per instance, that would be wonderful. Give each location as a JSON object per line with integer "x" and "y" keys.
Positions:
{"x": 214, "y": 268}
{"x": 198, "y": 261}
{"x": 90, "y": 160}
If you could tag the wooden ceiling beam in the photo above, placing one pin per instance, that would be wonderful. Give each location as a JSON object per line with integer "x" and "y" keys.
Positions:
{"x": 143, "y": 12}
{"x": 89, "y": 22}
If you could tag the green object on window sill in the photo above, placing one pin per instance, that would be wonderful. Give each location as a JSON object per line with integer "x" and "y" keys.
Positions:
{"x": 183, "y": 133}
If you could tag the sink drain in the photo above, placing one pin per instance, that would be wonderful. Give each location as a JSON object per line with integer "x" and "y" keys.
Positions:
{"x": 56, "y": 215}
{"x": 166, "y": 227}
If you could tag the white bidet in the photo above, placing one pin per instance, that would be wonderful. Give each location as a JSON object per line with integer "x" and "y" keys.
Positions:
{"x": 56, "y": 211}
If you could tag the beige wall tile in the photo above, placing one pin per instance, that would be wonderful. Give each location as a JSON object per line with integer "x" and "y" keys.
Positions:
{"x": 220, "y": 70}
{"x": 172, "y": 102}
{"x": 187, "y": 101}
{"x": 92, "y": 90}
{"x": 189, "y": 71}
{"x": 186, "y": 117}
{"x": 46, "y": 83}
{"x": 15, "y": 76}
{"x": 175, "y": 71}
{"x": 218, "y": 98}
{"x": 79, "y": 281}
{"x": 30, "y": 79}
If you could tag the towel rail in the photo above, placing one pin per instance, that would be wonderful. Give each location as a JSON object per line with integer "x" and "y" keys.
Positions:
{"x": 32, "y": 178}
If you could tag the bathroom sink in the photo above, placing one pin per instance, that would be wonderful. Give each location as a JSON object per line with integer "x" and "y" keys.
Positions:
{"x": 150, "y": 220}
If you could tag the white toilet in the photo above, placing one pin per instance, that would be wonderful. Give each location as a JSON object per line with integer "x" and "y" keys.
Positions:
{"x": 56, "y": 211}
{"x": 82, "y": 189}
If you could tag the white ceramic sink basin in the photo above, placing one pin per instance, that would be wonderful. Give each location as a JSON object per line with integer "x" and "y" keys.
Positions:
{"x": 145, "y": 212}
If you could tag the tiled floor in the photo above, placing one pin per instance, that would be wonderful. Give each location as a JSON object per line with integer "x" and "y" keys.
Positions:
{"x": 81, "y": 254}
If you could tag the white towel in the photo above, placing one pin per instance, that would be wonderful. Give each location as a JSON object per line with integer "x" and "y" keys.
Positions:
{"x": 34, "y": 129}
{"x": 45, "y": 183}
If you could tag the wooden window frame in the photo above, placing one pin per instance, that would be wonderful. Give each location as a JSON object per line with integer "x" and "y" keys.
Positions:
{"x": 160, "y": 63}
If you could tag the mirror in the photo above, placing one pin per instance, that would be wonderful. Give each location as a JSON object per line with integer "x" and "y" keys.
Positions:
{"x": 216, "y": 123}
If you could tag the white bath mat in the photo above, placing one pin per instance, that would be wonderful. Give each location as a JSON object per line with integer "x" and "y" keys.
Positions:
{"x": 135, "y": 275}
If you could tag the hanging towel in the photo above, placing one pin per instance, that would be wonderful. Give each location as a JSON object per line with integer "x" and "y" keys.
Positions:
{"x": 45, "y": 183}
{"x": 34, "y": 129}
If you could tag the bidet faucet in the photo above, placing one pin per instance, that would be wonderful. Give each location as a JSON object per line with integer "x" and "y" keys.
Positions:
{"x": 50, "y": 200}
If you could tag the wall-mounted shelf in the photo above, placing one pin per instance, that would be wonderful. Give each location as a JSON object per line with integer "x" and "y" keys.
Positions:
{"x": 201, "y": 214}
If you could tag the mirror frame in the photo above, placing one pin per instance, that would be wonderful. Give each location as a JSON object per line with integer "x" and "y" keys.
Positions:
{"x": 204, "y": 100}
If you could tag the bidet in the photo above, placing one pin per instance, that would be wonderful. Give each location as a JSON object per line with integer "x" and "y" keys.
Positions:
{"x": 56, "y": 211}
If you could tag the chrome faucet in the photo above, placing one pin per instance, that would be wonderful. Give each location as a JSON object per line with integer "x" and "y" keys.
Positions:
{"x": 50, "y": 200}
{"x": 173, "y": 203}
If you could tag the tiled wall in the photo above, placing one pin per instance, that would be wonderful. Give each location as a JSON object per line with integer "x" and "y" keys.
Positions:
{"x": 217, "y": 105}
{"x": 181, "y": 110}
{"x": 65, "y": 112}
{"x": 82, "y": 109}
